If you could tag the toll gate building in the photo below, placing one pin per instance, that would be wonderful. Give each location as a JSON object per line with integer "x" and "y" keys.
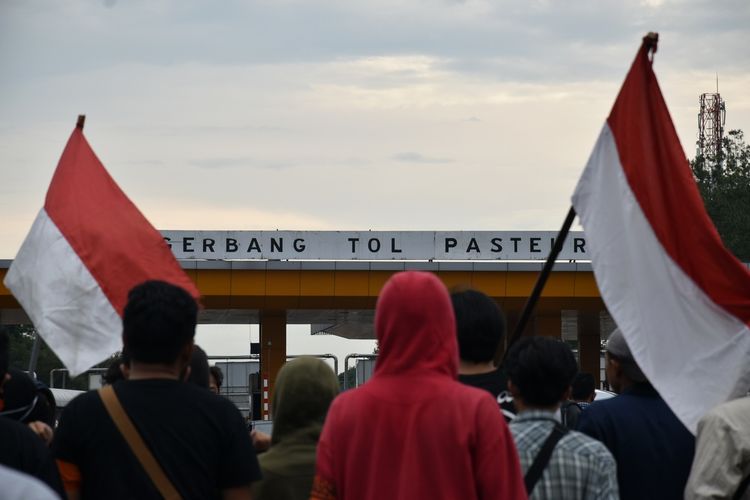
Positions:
{"x": 331, "y": 281}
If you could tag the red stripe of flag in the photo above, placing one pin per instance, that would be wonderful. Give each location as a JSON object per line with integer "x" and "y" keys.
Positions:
{"x": 116, "y": 243}
{"x": 661, "y": 180}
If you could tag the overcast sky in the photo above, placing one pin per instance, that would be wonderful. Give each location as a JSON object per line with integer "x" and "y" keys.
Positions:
{"x": 351, "y": 115}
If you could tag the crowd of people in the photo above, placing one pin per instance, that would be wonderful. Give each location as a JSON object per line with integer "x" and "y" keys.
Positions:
{"x": 443, "y": 416}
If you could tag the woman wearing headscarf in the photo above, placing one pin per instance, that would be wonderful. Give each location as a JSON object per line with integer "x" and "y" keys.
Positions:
{"x": 304, "y": 390}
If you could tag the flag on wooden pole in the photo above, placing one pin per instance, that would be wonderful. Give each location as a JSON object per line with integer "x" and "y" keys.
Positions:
{"x": 681, "y": 299}
{"x": 88, "y": 246}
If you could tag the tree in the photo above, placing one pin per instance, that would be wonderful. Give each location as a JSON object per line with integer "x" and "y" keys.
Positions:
{"x": 21, "y": 344}
{"x": 351, "y": 378}
{"x": 724, "y": 183}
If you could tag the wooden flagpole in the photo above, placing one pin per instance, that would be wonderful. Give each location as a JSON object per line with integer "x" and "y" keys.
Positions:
{"x": 528, "y": 308}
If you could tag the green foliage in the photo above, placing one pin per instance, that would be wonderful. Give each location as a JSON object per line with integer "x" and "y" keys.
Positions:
{"x": 724, "y": 183}
{"x": 21, "y": 345}
{"x": 351, "y": 378}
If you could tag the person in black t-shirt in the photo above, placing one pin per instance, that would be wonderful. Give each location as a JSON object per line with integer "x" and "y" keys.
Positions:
{"x": 480, "y": 326}
{"x": 198, "y": 373}
{"x": 583, "y": 392}
{"x": 215, "y": 379}
{"x": 198, "y": 438}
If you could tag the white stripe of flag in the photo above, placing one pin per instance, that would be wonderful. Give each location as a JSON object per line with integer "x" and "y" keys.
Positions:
{"x": 680, "y": 298}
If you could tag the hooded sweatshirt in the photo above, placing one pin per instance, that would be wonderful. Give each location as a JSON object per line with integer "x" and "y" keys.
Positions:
{"x": 413, "y": 431}
{"x": 304, "y": 390}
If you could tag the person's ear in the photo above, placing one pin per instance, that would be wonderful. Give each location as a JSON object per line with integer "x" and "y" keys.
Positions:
{"x": 616, "y": 366}
{"x": 614, "y": 372}
{"x": 513, "y": 388}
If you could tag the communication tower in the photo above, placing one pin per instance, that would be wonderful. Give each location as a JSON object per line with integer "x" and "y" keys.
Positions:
{"x": 711, "y": 120}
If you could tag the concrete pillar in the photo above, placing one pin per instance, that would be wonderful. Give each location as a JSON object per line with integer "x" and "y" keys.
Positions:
{"x": 548, "y": 324}
{"x": 589, "y": 344}
{"x": 272, "y": 353}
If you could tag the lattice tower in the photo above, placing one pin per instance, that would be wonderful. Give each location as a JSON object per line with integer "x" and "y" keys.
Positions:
{"x": 711, "y": 120}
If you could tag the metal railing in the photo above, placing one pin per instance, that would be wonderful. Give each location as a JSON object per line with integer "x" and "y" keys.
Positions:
{"x": 65, "y": 371}
{"x": 238, "y": 392}
{"x": 319, "y": 356}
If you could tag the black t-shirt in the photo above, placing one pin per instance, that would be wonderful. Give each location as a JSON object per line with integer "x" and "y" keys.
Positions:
{"x": 24, "y": 451}
{"x": 493, "y": 382}
{"x": 198, "y": 438}
{"x": 496, "y": 383}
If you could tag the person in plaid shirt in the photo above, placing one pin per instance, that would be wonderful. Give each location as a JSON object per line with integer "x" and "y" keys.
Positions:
{"x": 540, "y": 371}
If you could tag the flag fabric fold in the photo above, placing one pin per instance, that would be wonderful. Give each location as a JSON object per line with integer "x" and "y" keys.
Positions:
{"x": 88, "y": 246}
{"x": 681, "y": 299}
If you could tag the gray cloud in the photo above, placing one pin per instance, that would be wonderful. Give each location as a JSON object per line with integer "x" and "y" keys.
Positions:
{"x": 305, "y": 107}
{"x": 244, "y": 162}
{"x": 505, "y": 40}
{"x": 241, "y": 162}
{"x": 145, "y": 163}
{"x": 412, "y": 157}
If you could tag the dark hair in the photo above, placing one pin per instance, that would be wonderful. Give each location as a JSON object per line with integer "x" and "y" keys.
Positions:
{"x": 541, "y": 368}
{"x": 218, "y": 375}
{"x": 199, "y": 368}
{"x": 480, "y": 325}
{"x": 4, "y": 361}
{"x": 114, "y": 372}
{"x": 159, "y": 320}
{"x": 583, "y": 386}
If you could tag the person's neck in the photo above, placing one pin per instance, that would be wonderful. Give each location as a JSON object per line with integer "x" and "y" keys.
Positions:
{"x": 625, "y": 384}
{"x": 521, "y": 405}
{"x": 142, "y": 371}
{"x": 469, "y": 368}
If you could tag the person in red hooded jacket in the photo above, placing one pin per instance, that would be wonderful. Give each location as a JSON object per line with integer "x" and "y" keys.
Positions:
{"x": 413, "y": 431}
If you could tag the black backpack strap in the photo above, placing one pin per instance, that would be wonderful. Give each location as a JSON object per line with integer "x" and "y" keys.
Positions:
{"x": 741, "y": 488}
{"x": 542, "y": 459}
{"x": 569, "y": 413}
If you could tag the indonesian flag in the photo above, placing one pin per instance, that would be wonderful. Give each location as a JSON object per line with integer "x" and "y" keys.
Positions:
{"x": 680, "y": 298}
{"x": 87, "y": 248}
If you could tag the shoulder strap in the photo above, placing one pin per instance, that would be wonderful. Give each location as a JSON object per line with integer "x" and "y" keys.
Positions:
{"x": 542, "y": 459}
{"x": 569, "y": 413}
{"x": 564, "y": 413}
{"x": 137, "y": 446}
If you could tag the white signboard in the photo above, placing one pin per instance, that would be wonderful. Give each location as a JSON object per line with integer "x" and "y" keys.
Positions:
{"x": 372, "y": 245}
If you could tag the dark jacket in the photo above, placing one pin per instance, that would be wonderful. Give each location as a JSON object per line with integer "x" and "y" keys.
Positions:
{"x": 652, "y": 448}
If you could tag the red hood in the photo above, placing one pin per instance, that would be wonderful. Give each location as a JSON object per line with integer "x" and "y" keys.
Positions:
{"x": 415, "y": 326}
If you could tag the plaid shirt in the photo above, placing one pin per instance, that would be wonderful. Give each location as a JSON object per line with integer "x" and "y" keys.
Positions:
{"x": 580, "y": 467}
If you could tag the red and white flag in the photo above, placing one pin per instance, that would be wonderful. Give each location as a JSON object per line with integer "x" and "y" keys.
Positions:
{"x": 88, "y": 246}
{"x": 681, "y": 299}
